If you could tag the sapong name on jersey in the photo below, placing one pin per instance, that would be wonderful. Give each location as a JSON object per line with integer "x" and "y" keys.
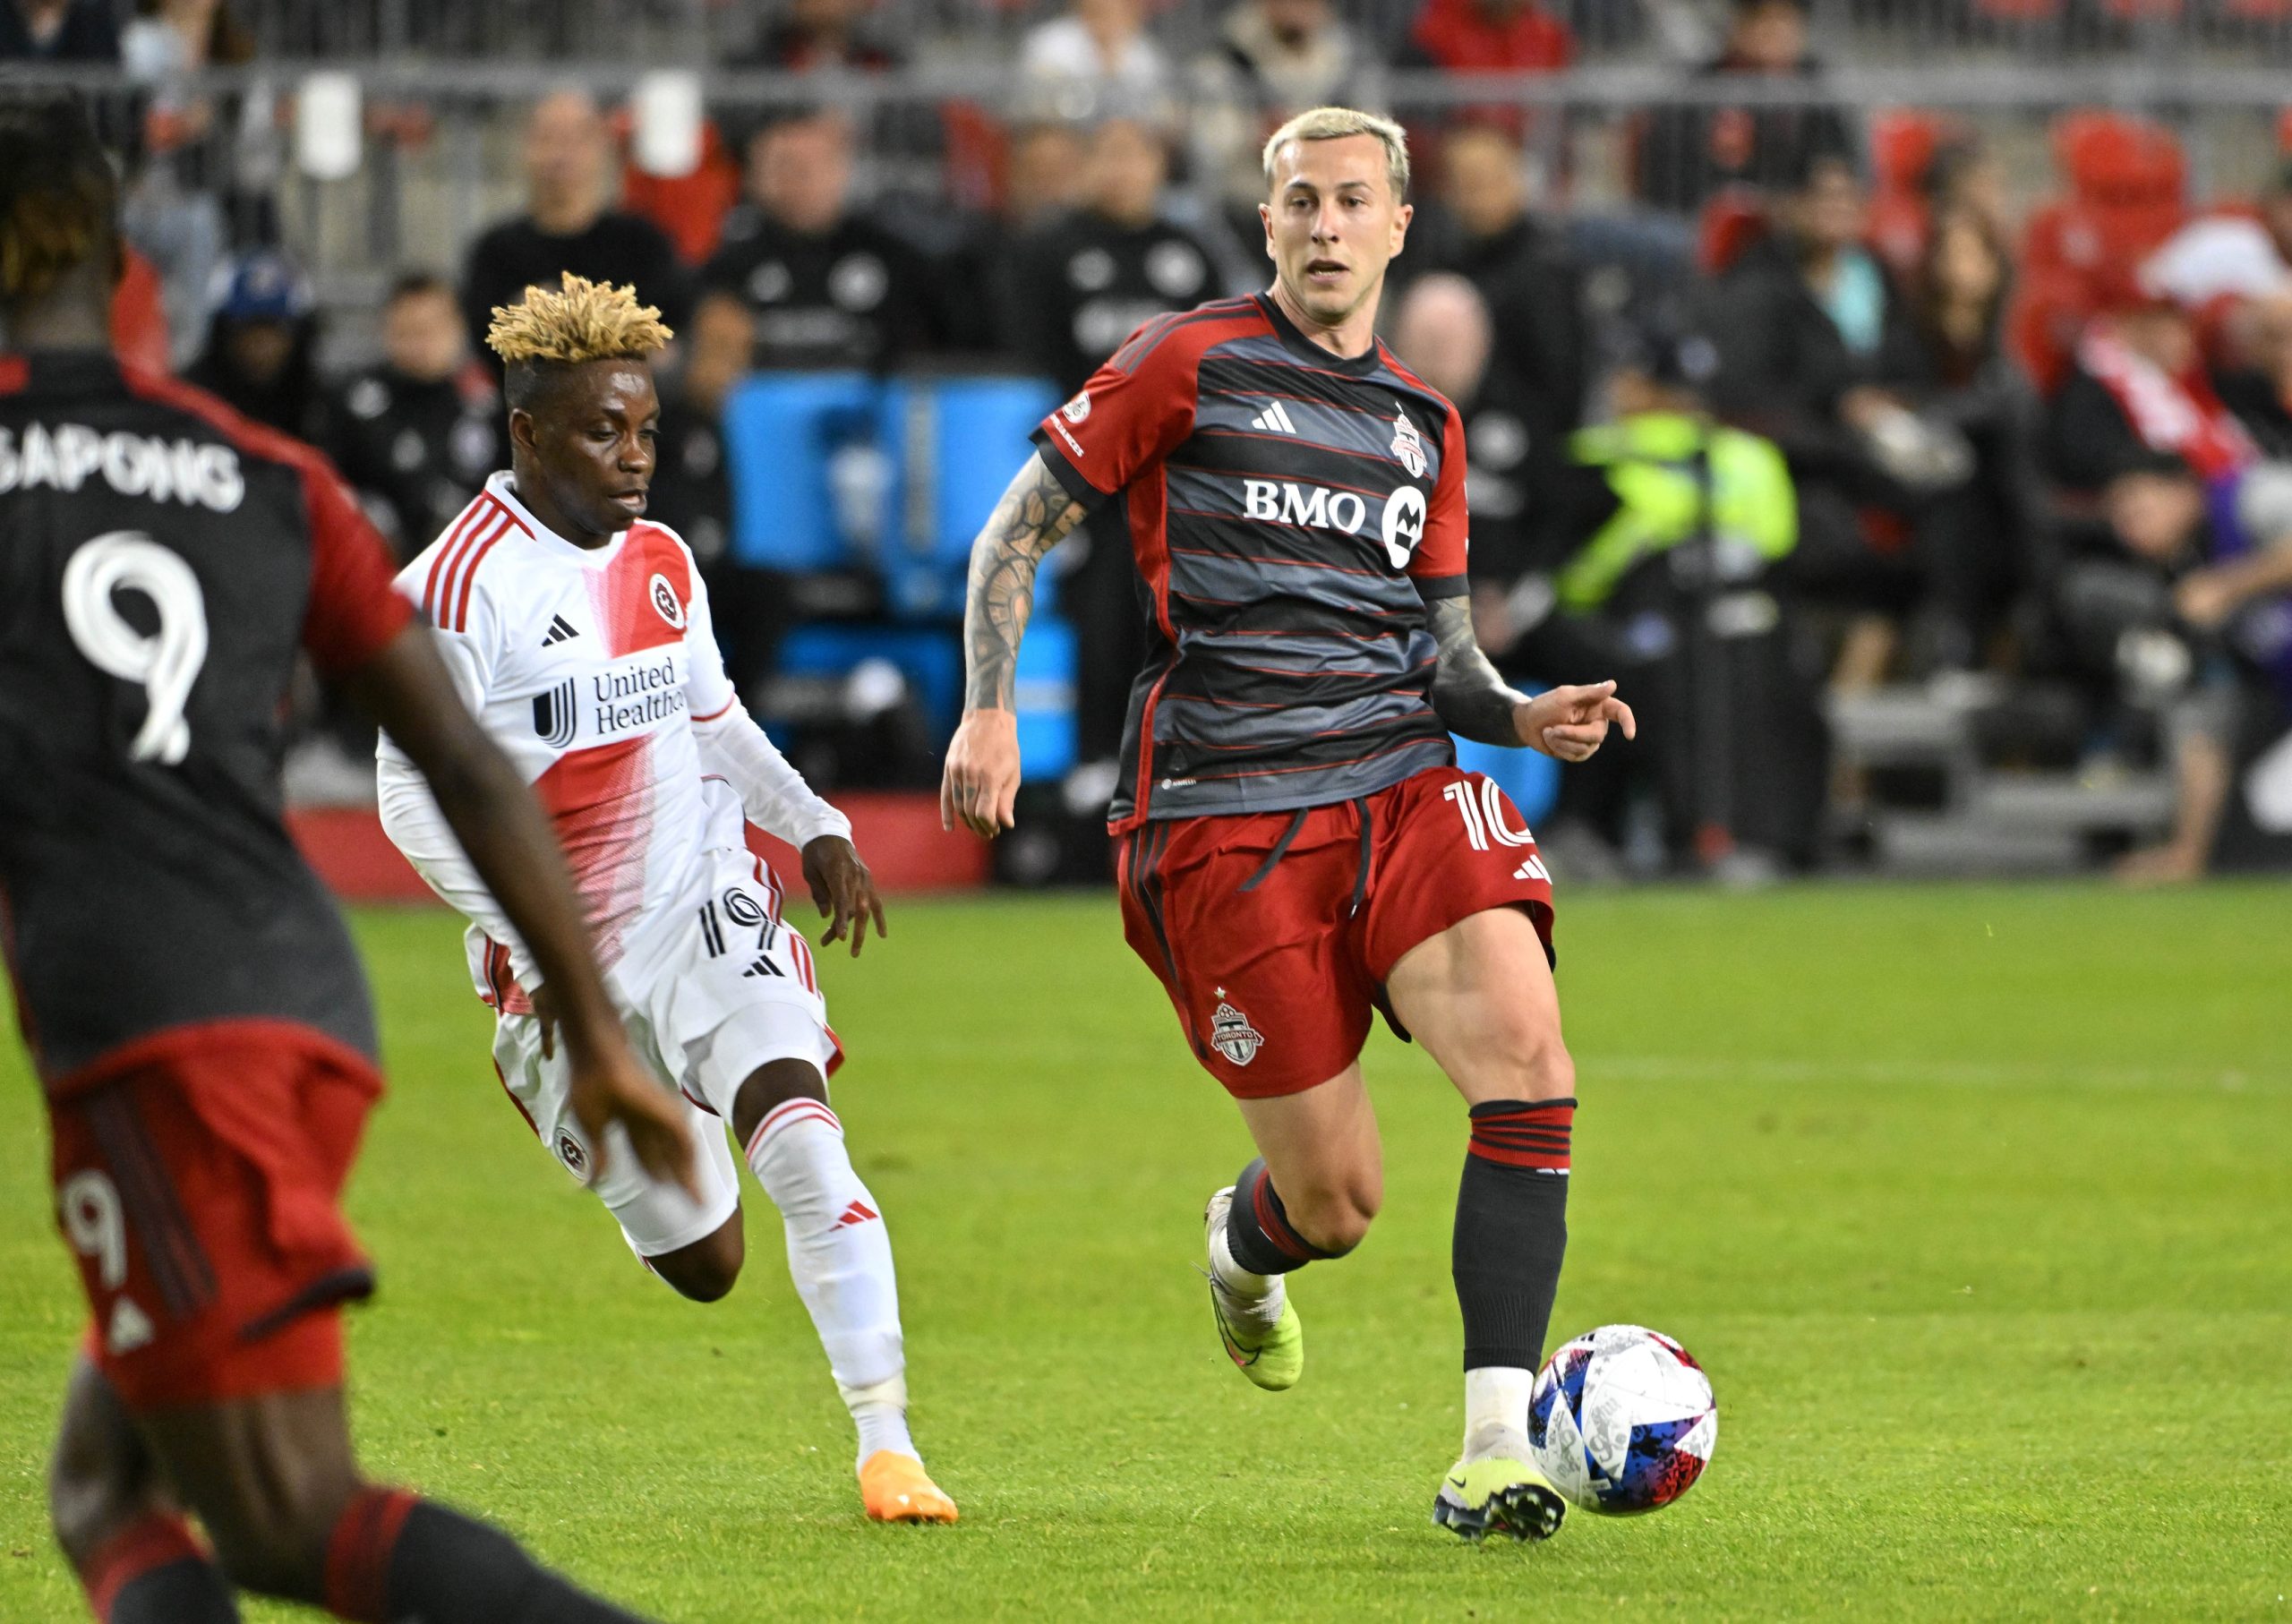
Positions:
{"x": 187, "y": 471}
{"x": 637, "y": 698}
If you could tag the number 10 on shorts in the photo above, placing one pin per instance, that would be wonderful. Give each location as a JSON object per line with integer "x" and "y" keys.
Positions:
{"x": 1481, "y": 804}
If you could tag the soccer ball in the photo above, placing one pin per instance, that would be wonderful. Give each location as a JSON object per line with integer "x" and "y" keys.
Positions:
{"x": 1623, "y": 1420}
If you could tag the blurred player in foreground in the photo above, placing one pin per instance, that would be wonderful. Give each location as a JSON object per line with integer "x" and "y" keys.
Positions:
{"x": 1296, "y": 845}
{"x": 579, "y": 635}
{"x": 193, "y": 1004}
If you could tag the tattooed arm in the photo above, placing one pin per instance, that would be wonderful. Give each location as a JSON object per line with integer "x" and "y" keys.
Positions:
{"x": 1034, "y": 514}
{"x": 982, "y": 773}
{"x": 1473, "y": 702}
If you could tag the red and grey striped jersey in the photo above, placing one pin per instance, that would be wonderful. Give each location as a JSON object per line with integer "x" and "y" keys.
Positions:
{"x": 1291, "y": 512}
{"x": 162, "y": 561}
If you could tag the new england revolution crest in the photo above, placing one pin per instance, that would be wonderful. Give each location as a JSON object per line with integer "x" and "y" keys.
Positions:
{"x": 1232, "y": 1035}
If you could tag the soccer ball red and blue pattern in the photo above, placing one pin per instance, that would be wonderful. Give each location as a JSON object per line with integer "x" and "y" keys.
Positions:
{"x": 1623, "y": 1420}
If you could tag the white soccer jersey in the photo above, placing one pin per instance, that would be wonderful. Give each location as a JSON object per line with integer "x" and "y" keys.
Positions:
{"x": 591, "y": 669}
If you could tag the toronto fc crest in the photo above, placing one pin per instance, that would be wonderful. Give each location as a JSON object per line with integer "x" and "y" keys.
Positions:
{"x": 1232, "y": 1035}
{"x": 1407, "y": 447}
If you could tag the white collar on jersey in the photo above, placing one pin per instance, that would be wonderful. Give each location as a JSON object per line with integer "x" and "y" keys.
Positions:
{"x": 499, "y": 486}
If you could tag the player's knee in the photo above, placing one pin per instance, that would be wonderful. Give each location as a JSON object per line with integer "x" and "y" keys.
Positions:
{"x": 771, "y": 1086}
{"x": 274, "y": 1541}
{"x": 85, "y": 1503}
{"x": 706, "y": 1270}
{"x": 1335, "y": 1218}
{"x": 1548, "y": 1071}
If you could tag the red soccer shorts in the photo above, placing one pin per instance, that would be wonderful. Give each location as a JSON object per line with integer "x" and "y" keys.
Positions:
{"x": 1274, "y": 934}
{"x": 198, "y": 1177}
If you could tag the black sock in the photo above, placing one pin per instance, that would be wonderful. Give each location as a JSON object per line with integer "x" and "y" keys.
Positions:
{"x": 1257, "y": 1227}
{"x": 395, "y": 1559}
{"x": 189, "y": 1592}
{"x": 154, "y": 1572}
{"x": 1512, "y": 1228}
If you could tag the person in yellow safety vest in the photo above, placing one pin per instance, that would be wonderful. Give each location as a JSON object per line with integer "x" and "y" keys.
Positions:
{"x": 1649, "y": 454}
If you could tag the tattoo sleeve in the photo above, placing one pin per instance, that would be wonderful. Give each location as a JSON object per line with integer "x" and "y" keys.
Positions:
{"x": 1472, "y": 701}
{"x": 1034, "y": 513}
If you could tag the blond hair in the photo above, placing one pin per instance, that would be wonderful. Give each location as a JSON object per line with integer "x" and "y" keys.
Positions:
{"x": 583, "y": 320}
{"x": 1334, "y": 123}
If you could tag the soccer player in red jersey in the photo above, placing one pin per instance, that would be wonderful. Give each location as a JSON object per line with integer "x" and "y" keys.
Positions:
{"x": 193, "y": 1003}
{"x": 1297, "y": 844}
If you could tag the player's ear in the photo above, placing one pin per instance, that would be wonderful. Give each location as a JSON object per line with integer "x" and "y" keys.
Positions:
{"x": 1401, "y": 217}
{"x": 1265, "y": 217}
{"x": 521, "y": 430}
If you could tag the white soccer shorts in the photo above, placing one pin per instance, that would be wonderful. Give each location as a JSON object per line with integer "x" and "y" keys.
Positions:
{"x": 735, "y": 989}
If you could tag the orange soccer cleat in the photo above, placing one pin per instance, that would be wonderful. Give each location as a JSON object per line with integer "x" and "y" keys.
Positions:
{"x": 896, "y": 1489}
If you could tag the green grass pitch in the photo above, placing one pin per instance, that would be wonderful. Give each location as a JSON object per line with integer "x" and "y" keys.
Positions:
{"x": 1976, "y": 1203}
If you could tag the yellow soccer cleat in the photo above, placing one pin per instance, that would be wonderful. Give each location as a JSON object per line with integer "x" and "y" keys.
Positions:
{"x": 1498, "y": 1495}
{"x": 1272, "y": 1356}
{"x": 896, "y": 1489}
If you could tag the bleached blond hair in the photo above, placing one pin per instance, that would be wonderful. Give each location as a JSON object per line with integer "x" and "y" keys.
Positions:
{"x": 580, "y": 320}
{"x": 1334, "y": 123}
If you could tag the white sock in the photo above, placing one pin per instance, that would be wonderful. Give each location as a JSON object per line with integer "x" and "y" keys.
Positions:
{"x": 880, "y": 1413}
{"x": 1496, "y": 1410}
{"x": 1255, "y": 1295}
{"x": 841, "y": 1258}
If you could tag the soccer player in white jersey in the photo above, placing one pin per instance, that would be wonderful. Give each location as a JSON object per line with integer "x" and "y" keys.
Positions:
{"x": 580, "y": 636}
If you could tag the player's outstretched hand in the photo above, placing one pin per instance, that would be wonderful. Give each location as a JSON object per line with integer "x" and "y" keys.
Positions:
{"x": 1569, "y": 723}
{"x": 842, "y": 886}
{"x": 981, "y": 787}
{"x": 608, "y": 1087}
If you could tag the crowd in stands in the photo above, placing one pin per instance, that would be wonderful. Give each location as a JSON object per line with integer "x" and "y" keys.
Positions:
{"x": 1823, "y": 410}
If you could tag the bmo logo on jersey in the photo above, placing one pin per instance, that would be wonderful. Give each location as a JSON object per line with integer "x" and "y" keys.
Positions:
{"x": 1282, "y": 502}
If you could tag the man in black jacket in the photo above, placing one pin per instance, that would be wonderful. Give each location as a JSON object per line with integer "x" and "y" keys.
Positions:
{"x": 1692, "y": 150}
{"x": 830, "y": 288}
{"x": 567, "y": 226}
{"x": 417, "y": 436}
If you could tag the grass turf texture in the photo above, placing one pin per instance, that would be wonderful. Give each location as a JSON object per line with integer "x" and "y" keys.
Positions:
{"x": 1975, "y": 1202}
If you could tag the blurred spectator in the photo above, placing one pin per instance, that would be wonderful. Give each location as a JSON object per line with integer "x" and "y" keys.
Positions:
{"x": 1084, "y": 281}
{"x": 58, "y": 31}
{"x": 1965, "y": 177}
{"x": 815, "y": 34}
{"x": 1272, "y": 58}
{"x": 262, "y": 346}
{"x": 2229, "y": 255}
{"x": 2256, "y": 383}
{"x": 1978, "y": 535}
{"x": 185, "y": 205}
{"x": 2139, "y": 387}
{"x": 829, "y": 287}
{"x": 1044, "y": 176}
{"x": 567, "y": 226}
{"x": 1488, "y": 37}
{"x": 1522, "y": 270}
{"x": 1690, "y": 152}
{"x": 1081, "y": 284}
{"x": 417, "y": 435}
{"x": 1816, "y": 349}
{"x": 1443, "y": 330}
{"x": 1096, "y": 60}
{"x": 2188, "y": 617}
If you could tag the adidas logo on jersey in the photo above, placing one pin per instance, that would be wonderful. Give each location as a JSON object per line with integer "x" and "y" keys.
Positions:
{"x": 762, "y": 967}
{"x": 1274, "y": 419}
{"x": 131, "y": 1328}
{"x": 558, "y": 632}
